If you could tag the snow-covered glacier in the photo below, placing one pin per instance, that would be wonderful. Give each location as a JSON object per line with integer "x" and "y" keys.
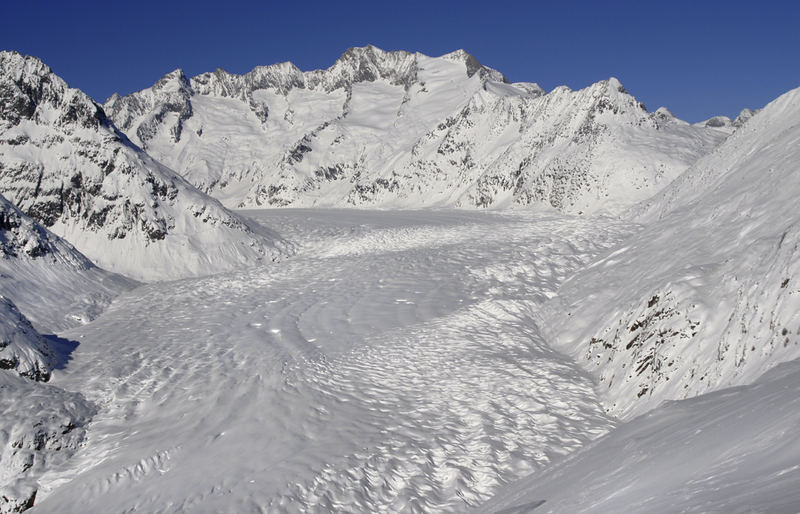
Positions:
{"x": 691, "y": 329}
{"x": 392, "y": 364}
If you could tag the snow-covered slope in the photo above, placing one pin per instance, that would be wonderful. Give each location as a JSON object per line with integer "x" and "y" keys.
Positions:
{"x": 42, "y": 427}
{"x": 707, "y": 295}
{"x": 401, "y": 129}
{"x": 55, "y": 286}
{"x": 729, "y": 451}
{"x": 22, "y": 348}
{"x": 63, "y": 163}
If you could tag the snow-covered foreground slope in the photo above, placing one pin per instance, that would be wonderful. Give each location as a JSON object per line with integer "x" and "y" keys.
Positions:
{"x": 708, "y": 294}
{"x": 734, "y": 450}
{"x": 42, "y": 426}
{"x": 392, "y": 365}
{"x": 398, "y": 129}
{"x": 51, "y": 282}
{"x": 22, "y": 349}
{"x": 63, "y": 163}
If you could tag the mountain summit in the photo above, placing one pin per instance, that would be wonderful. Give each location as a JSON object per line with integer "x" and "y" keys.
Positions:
{"x": 65, "y": 164}
{"x": 403, "y": 129}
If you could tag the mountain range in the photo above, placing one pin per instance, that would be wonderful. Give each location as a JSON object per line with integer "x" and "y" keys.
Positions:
{"x": 701, "y": 295}
{"x": 400, "y": 129}
{"x": 65, "y": 164}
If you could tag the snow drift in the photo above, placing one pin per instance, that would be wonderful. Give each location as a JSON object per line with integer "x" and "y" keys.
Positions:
{"x": 729, "y": 451}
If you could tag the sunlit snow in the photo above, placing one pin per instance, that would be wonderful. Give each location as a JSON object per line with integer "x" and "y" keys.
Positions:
{"x": 394, "y": 363}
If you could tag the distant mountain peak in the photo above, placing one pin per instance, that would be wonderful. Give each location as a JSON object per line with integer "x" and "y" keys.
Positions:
{"x": 474, "y": 66}
{"x": 372, "y": 52}
{"x": 14, "y": 63}
{"x": 664, "y": 113}
{"x": 30, "y": 90}
{"x": 744, "y": 115}
{"x": 175, "y": 78}
{"x": 387, "y": 126}
{"x": 613, "y": 82}
{"x": 63, "y": 163}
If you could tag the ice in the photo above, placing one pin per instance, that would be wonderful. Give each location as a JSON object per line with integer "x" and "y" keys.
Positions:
{"x": 306, "y": 386}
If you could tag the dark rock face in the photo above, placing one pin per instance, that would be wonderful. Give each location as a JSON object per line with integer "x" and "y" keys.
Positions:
{"x": 173, "y": 93}
{"x": 20, "y": 235}
{"x": 29, "y": 89}
{"x": 22, "y": 348}
{"x": 42, "y": 426}
{"x": 718, "y": 122}
{"x": 51, "y": 197}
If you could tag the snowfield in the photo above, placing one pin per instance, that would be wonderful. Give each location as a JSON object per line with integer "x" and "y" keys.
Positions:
{"x": 392, "y": 365}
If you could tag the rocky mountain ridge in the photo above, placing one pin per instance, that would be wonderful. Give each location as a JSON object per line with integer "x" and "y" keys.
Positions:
{"x": 66, "y": 165}
{"x": 706, "y": 296}
{"x": 396, "y": 129}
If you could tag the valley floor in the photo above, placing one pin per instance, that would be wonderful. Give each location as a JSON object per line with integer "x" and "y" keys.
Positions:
{"x": 393, "y": 364}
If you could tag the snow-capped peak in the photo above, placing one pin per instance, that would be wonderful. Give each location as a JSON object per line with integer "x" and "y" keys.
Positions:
{"x": 29, "y": 90}
{"x": 705, "y": 297}
{"x": 399, "y": 128}
{"x": 365, "y": 64}
{"x": 173, "y": 82}
{"x": 614, "y": 84}
{"x": 716, "y": 122}
{"x": 665, "y": 113}
{"x": 63, "y": 163}
{"x": 743, "y": 116}
{"x": 474, "y": 66}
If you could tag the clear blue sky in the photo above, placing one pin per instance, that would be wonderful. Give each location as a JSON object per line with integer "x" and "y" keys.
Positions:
{"x": 698, "y": 58}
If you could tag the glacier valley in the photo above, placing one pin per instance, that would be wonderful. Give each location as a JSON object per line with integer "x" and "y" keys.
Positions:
{"x": 393, "y": 364}
{"x": 399, "y": 284}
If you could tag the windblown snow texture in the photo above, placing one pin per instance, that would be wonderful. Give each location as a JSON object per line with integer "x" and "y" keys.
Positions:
{"x": 63, "y": 163}
{"x": 42, "y": 425}
{"x": 733, "y": 450}
{"x": 391, "y": 365}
